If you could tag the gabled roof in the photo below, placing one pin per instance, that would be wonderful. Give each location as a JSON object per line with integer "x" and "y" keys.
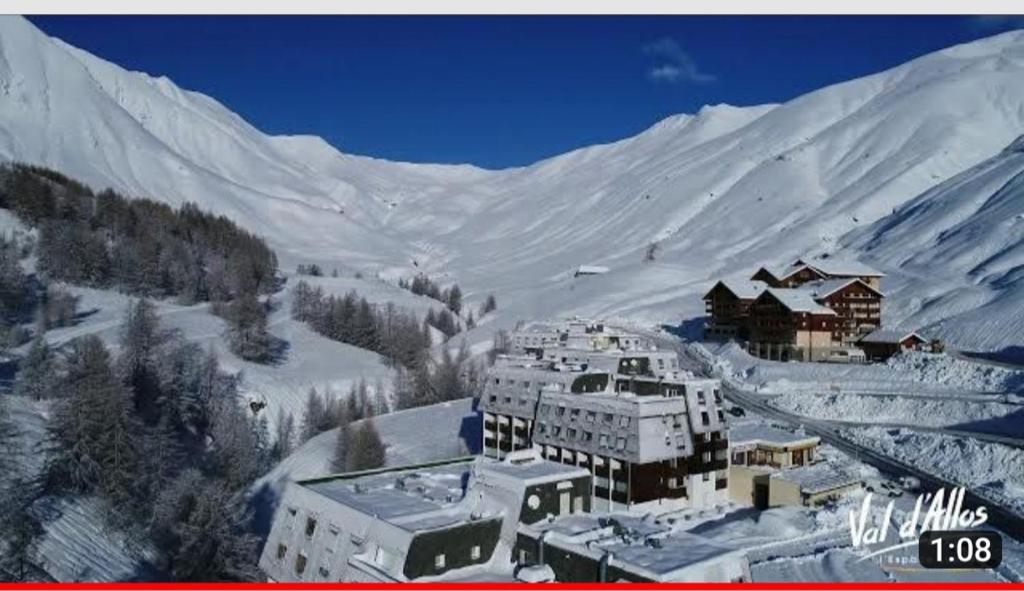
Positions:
{"x": 744, "y": 289}
{"x": 798, "y": 300}
{"x": 840, "y": 267}
{"x": 823, "y": 289}
{"x": 890, "y": 336}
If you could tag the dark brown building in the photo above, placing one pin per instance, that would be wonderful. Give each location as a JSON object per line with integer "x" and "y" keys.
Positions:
{"x": 728, "y": 308}
{"x": 857, "y": 304}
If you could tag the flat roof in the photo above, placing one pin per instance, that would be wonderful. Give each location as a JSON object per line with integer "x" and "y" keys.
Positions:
{"x": 819, "y": 477}
{"x": 635, "y": 544}
{"x": 413, "y": 498}
{"x": 754, "y": 431}
{"x": 534, "y": 470}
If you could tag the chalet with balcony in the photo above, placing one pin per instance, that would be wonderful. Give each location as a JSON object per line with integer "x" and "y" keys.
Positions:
{"x": 728, "y": 307}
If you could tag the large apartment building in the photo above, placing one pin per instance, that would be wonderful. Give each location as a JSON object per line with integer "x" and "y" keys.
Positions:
{"x": 600, "y": 398}
{"x": 813, "y": 310}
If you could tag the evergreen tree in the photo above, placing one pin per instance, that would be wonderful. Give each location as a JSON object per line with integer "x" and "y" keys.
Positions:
{"x": 366, "y": 450}
{"x": 141, "y": 341}
{"x": 36, "y": 378}
{"x": 199, "y": 525}
{"x": 247, "y": 329}
{"x": 234, "y": 453}
{"x": 454, "y": 299}
{"x": 285, "y": 435}
{"x": 315, "y": 416}
{"x": 341, "y": 445}
{"x": 489, "y": 305}
{"x": 94, "y": 433}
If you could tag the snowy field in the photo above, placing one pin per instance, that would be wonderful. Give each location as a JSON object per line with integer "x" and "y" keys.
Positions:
{"x": 911, "y": 373}
{"x": 309, "y": 361}
{"x": 988, "y": 469}
{"x": 719, "y": 192}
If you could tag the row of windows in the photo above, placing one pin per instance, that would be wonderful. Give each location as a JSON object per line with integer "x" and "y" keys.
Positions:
{"x": 572, "y": 434}
{"x": 590, "y": 416}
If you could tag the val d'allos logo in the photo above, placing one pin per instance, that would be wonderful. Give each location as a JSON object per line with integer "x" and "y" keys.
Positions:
{"x": 944, "y": 512}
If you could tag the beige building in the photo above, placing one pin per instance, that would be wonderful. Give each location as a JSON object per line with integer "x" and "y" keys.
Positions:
{"x": 757, "y": 451}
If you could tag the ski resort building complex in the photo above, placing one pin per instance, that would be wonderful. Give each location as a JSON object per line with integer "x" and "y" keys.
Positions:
{"x": 813, "y": 310}
{"x": 606, "y": 400}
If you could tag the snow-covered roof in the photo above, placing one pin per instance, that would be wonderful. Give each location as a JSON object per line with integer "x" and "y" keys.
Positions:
{"x": 817, "y": 478}
{"x": 889, "y": 336}
{"x": 746, "y": 289}
{"x": 752, "y": 432}
{"x": 591, "y": 270}
{"x": 827, "y": 287}
{"x": 533, "y": 470}
{"x": 840, "y": 267}
{"x": 402, "y": 497}
{"x": 799, "y": 300}
{"x": 633, "y": 544}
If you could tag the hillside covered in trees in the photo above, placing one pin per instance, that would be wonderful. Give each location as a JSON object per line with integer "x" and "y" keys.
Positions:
{"x": 139, "y": 246}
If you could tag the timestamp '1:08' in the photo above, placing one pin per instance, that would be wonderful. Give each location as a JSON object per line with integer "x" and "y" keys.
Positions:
{"x": 960, "y": 549}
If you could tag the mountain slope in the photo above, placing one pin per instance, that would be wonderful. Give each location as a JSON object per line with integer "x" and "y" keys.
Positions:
{"x": 958, "y": 253}
{"x": 720, "y": 191}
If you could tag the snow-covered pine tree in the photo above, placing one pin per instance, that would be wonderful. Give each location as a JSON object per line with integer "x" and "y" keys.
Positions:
{"x": 284, "y": 435}
{"x": 200, "y": 526}
{"x": 36, "y": 378}
{"x": 366, "y": 450}
{"x": 94, "y": 433}
{"x": 314, "y": 417}
{"x": 247, "y": 329}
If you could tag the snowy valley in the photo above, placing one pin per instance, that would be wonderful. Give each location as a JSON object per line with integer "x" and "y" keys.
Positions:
{"x": 917, "y": 171}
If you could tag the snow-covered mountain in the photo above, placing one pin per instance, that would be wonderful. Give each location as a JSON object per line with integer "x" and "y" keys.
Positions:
{"x": 848, "y": 170}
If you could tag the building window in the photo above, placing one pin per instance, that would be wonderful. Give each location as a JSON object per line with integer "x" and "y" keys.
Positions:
{"x": 588, "y": 436}
{"x": 571, "y": 433}
{"x": 493, "y": 398}
{"x": 300, "y": 564}
{"x": 474, "y": 553}
{"x": 556, "y": 431}
{"x": 574, "y": 414}
{"x": 706, "y": 476}
{"x": 560, "y": 411}
{"x": 541, "y": 428}
{"x": 310, "y": 527}
{"x": 624, "y": 421}
{"x": 705, "y": 419}
{"x": 591, "y": 416}
{"x": 603, "y": 441}
{"x": 609, "y": 418}
{"x": 282, "y": 550}
{"x": 700, "y": 397}
{"x": 439, "y": 561}
{"x": 620, "y": 444}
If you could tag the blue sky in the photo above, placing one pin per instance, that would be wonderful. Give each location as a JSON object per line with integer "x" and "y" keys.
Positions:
{"x": 501, "y": 91}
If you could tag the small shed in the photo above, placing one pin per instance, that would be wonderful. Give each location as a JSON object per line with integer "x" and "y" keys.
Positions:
{"x": 886, "y": 342}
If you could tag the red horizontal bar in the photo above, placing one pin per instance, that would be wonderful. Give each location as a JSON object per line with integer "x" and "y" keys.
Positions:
{"x": 773, "y": 586}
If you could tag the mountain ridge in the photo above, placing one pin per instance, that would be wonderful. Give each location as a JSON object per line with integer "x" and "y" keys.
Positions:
{"x": 717, "y": 192}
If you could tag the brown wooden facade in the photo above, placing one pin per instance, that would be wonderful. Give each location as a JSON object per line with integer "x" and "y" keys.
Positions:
{"x": 727, "y": 312}
{"x": 859, "y": 308}
{"x": 776, "y": 332}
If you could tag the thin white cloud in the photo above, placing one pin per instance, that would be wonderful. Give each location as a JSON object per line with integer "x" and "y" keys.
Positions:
{"x": 673, "y": 65}
{"x": 998, "y": 21}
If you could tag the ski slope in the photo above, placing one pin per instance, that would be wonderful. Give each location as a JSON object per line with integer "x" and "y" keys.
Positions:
{"x": 856, "y": 169}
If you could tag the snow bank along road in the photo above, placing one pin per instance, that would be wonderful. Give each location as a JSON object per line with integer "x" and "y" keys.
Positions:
{"x": 1002, "y": 517}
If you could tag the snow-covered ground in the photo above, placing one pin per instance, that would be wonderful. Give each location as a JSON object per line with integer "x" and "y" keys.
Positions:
{"x": 309, "y": 361}
{"x": 413, "y": 436}
{"x": 999, "y": 418}
{"x": 907, "y": 373}
{"x": 854, "y": 169}
{"x": 986, "y": 468}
